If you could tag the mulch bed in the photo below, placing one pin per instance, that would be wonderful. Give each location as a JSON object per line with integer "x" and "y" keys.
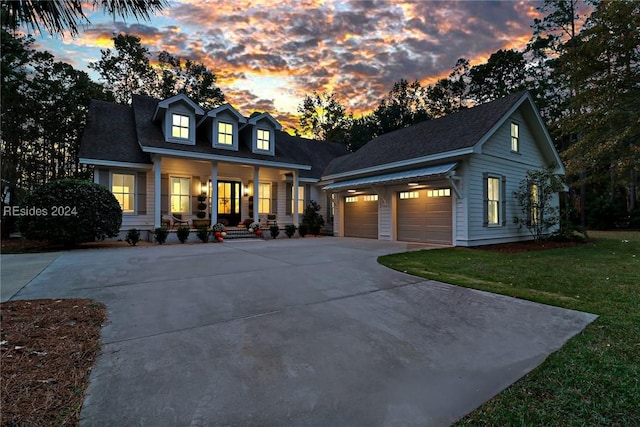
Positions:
{"x": 47, "y": 349}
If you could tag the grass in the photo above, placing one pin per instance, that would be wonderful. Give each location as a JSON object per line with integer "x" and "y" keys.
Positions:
{"x": 595, "y": 378}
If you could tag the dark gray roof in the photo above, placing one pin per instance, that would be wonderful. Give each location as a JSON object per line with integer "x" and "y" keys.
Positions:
{"x": 120, "y": 132}
{"x": 452, "y": 132}
{"x": 110, "y": 134}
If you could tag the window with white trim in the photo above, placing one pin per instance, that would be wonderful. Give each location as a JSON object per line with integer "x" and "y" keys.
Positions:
{"x": 535, "y": 203}
{"x": 493, "y": 200}
{"x": 351, "y": 199}
{"x": 180, "y": 126}
{"x": 263, "y": 141}
{"x": 409, "y": 195}
{"x": 440, "y": 192}
{"x": 370, "y": 197}
{"x": 123, "y": 188}
{"x": 180, "y": 195}
{"x": 300, "y": 199}
{"x": 264, "y": 198}
{"x": 225, "y": 133}
{"x": 515, "y": 137}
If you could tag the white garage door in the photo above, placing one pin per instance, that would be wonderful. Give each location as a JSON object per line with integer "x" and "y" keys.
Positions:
{"x": 425, "y": 216}
{"x": 361, "y": 216}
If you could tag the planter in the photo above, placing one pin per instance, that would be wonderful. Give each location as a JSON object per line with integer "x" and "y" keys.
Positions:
{"x": 201, "y": 223}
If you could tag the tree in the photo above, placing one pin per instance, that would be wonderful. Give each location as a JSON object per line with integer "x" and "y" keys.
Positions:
{"x": 187, "y": 77}
{"x": 450, "y": 94}
{"x": 403, "y": 106}
{"x": 504, "y": 73}
{"x": 535, "y": 195}
{"x": 126, "y": 71}
{"x": 323, "y": 117}
{"x": 71, "y": 211}
{"x": 59, "y": 16}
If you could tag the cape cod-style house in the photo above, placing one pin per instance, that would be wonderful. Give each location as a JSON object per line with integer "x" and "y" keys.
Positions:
{"x": 447, "y": 181}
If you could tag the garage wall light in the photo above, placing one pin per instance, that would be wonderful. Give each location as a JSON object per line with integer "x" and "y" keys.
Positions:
{"x": 413, "y": 184}
{"x": 351, "y": 191}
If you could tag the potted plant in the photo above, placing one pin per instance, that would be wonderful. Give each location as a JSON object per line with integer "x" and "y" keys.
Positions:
{"x": 219, "y": 232}
{"x": 274, "y": 230}
{"x": 201, "y": 214}
{"x": 290, "y": 230}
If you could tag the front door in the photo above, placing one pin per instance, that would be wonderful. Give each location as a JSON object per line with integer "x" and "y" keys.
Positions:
{"x": 229, "y": 202}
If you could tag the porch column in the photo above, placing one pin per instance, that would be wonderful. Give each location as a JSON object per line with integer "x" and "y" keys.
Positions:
{"x": 157, "y": 188}
{"x": 256, "y": 186}
{"x": 214, "y": 193}
{"x": 296, "y": 214}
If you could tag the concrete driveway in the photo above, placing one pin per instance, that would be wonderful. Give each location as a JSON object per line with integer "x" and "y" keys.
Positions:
{"x": 301, "y": 332}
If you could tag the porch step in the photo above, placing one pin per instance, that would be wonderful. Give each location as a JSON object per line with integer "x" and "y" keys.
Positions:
{"x": 241, "y": 233}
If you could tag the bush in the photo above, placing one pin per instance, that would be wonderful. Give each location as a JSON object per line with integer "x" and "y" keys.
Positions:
{"x": 303, "y": 229}
{"x": 274, "y": 230}
{"x": 133, "y": 236}
{"x": 203, "y": 234}
{"x": 312, "y": 219}
{"x": 70, "y": 211}
{"x": 160, "y": 235}
{"x": 290, "y": 230}
{"x": 183, "y": 234}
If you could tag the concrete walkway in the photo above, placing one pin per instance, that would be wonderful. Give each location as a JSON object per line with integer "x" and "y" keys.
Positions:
{"x": 304, "y": 332}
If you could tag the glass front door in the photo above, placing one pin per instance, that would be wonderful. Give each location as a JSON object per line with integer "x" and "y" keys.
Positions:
{"x": 229, "y": 201}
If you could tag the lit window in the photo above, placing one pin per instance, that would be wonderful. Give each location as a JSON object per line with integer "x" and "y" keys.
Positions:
{"x": 493, "y": 201}
{"x": 515, "y": 137}
{"x": 225, "y": 133}
{"x": 180, "y": 195}
{"x": 351, "y": 199}
{"x": 123, "y": 187}
{"x": 264, "y": 198}
{"x": 263, "y": 139}
{"x": 300, "y": 199}
{"x": 180, "y": 126}
{"x": 440, "y": 192}
{"x": 371, "y": 198}
{"x": 409, "y": 195}
{"x": 535, "y": 204}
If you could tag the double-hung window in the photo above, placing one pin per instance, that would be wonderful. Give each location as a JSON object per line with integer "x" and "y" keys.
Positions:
{"x": 180, "y": 126}
{"x": 123, "y": 188}
{"x": 180, "y": 197}
{"x": 225, "y": 133}
{"x": 263, "y": 141}
{"x": 535, "y": 203}
{"x": 264, "y": 198}
{"x": 515, "y": 137}
{"x": 493, "y": 201}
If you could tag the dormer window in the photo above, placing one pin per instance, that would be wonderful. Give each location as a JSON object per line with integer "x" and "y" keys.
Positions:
{"x": 225, "y": 133}
{"x": 263, "y": 141}
{"x": 180, "y": 126}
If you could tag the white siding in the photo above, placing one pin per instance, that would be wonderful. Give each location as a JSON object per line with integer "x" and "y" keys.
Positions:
{"x": 385, "y": 216}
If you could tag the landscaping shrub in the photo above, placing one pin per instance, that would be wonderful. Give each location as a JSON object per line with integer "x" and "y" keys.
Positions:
{"x": 202, "y": 206}
{"x": 70, "y": 211}
{"x": 303, "y": 229}
{"x": 160, "y": 234}
{"x": 274, "y": 230}
{"x": 183, "y": 234}
{"x": 133, "y": 236}
{"x": 312, "y": 219}
{"x": 203, "y": 234}
{"x": 290, "y": 230}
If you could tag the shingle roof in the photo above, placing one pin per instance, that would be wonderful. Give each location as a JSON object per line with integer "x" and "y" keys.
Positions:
{"x": 452, "y": 132}
{"x": 118, "y": 132}
{"x": 110, "y": 134}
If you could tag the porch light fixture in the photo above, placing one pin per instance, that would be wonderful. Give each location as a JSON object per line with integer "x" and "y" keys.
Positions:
{"x": 204, "y": 187}
{"x": 413, "y": 184}
{"x": 351, "y": 191}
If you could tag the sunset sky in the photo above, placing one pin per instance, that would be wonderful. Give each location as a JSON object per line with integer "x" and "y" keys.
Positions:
{"x": 268, "y": 55}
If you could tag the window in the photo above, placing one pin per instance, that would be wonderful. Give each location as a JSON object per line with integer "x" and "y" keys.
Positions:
{"x": 440, "y": 192}
{"x": 409, "y": 195}
{"x": 493, "y": 201}
{"x": 371, "y": 198}
{"x": 535, "y": 204}
{"x": 225, "y": 133}
{"x": 300, "y": 199}
{"x": 263, "y": 139}
{"x": 123, "y": 187}
{"x": 515, "y": 137}
{"x": 180, "y": 194}
{"x": 264, "y": 198}
{"x": 351, "y": 199}
{"x": 180, "y": 126}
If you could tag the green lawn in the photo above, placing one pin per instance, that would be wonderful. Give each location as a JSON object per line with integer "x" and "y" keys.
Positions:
{"x": 595, "y": 378}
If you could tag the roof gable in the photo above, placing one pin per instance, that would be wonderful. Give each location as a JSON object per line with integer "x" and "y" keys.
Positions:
{"x": 166, "y": 103}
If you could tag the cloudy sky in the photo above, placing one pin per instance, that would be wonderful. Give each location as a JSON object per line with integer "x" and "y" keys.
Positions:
{"x": 269, "y": 54}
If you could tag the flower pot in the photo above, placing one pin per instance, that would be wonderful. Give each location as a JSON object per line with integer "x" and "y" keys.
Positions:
{"x": 258, "y": 232}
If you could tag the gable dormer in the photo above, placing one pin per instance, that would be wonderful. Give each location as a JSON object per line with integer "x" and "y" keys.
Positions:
{"x": 225, "y": 121}
{"x": 263, "y": 128}
{"x": 178, "y": 116}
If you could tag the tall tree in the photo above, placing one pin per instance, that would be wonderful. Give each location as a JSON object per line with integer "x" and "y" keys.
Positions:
{"x": 323, "y": 117}
{"x": 60, "y": 16}
{"x": 126, "y": 71}
{"x": 503, "y": 73}
{"x": 402, "y": 107}
{"x": 190, "y": 78}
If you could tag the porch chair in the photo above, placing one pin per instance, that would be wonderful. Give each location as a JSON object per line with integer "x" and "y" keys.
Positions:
{"x": 172, "y": 220}
{"x": 272, "y": 219}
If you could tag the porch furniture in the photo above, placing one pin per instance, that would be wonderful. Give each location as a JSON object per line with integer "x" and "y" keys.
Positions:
{"x": 172, "y": 220}
{"x": 272, "y": 219}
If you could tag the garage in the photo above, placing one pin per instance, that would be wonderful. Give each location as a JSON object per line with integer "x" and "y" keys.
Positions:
{"x": 424, "y": 215}
{"x": 361, "y": 216}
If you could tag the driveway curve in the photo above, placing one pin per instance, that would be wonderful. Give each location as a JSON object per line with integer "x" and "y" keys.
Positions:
{"x": 300, "y": 332}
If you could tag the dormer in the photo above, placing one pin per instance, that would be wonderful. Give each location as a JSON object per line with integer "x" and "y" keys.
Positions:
{"x": 178, "y": 116}
{"x": 223, "y": 132}
{"x": 263, "y": 127}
